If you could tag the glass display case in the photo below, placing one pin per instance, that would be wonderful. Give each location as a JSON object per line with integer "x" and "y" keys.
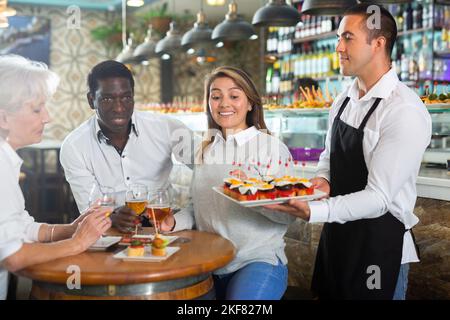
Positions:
{"x": 438, "y": 151}
{"x": 304, "y": 131}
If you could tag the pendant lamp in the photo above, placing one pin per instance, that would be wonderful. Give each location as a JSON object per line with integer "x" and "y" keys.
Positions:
{"x": 127, "y": 54}
{"x": 171, "y": 42}
{"x": 146, "y": 49}
{"x": 326, "y": 7}
{"x": 276, "y": 13}
{"x": 199, "y": 34}
{"x": 233, "y": 28}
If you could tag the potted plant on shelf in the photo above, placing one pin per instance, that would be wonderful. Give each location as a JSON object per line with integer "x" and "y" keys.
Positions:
{"x": 157, "y": 17}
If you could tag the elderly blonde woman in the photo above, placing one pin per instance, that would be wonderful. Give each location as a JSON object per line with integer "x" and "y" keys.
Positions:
{"x": 25, "y": 87}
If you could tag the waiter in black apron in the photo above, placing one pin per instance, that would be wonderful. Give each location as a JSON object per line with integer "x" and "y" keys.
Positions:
{"x": 379, "y": 130}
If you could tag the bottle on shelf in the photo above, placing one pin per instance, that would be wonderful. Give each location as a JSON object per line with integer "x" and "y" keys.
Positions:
{"x": 425, "y": 59}
{"x": 417, "y": 16}
{"x": 269, "y": 75}
{"x": 413, "y": 63}
{"x": 276, "y": 78}
{"x": 408, "y": 18}
{"x": 400, "y": 20}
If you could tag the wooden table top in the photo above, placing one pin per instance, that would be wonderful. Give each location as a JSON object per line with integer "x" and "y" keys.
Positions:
{"x": 205, "y": 252}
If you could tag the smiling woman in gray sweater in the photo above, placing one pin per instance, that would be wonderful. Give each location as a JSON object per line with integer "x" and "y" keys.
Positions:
{"x": 235, "y": 114}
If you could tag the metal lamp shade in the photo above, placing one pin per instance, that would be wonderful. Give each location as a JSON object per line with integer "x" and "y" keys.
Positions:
{"x": 233, "y": 28}
{"x": 171, "y": 42}
{"x": 127, "y": 54}
{"x": 146, "y": 49}
{"x": 326, "y": 7}
{"x": 233, "y": 31}
{"x": 200, "y": 33}
{"x": 276, "y": 13}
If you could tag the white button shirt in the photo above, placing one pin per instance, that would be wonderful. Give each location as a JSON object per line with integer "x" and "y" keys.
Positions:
{"x": 16, "y": 225}
{"x": 395, "y": 138}
{"x": 88, "y": 158}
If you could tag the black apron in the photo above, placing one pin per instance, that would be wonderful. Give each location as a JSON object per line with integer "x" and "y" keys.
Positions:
{"x": 347, "y": 251}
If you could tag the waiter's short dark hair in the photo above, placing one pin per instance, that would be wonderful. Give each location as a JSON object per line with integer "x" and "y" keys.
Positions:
{"x": 108, "y": 69}
{"x": 388, "y": 25}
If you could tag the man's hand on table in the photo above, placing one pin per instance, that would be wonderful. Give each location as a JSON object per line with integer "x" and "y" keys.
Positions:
{"x": 124, "y": 219}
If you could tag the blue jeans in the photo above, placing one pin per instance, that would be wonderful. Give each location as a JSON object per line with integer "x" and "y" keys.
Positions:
{"x": 255, "y": 281}
{"x": 402, "y": 283}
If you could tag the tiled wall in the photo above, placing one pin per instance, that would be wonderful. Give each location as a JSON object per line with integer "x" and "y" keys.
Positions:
{"x": 73, "y": 53}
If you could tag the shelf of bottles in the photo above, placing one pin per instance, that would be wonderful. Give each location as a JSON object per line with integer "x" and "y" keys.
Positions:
{"x": 308, "y": 50}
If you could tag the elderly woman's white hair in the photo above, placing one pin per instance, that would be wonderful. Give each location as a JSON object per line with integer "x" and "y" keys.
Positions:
{"x": 24, "y": 81}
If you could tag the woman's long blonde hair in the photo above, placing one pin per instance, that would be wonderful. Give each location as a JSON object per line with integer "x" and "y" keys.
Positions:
{"x": 255, "y": 117}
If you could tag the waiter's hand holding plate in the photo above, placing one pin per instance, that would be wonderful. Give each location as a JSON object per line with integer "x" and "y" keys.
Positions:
{"x": 299, "y": 208}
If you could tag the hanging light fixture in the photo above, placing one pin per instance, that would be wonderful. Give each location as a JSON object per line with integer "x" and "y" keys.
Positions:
{"x": 215, "y": 2}
{"x": 135, "y": 3}
{"x": 199, "y": 34}
{"x": 146, "y": 49}
{"x": 276, "y": 13}
{"x": 233, "y": 28}
{"x": 126, "y": 56}
{"x": 326, "y": 7}
{"x": 171, "y": 43}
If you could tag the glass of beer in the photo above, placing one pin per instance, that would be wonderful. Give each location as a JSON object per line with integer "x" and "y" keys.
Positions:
{"x": 158, "y": 207}
{"x": 136, "y": 198}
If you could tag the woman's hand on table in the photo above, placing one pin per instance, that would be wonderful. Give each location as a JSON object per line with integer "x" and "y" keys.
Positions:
{"x": 124, "y": 219}
{"x": 91, "y": 228}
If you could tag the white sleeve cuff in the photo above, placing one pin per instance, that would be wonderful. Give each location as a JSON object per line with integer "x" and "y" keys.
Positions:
{"x": 9, "y": 249}
{"x": 184, "y": 220}
{"x": 324, "y": 174}
{"x": 319, "y": 211}
{"x": 32, "y": 232}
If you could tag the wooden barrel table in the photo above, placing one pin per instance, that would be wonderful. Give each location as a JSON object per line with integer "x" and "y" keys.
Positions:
{"x": 187, "y": 274}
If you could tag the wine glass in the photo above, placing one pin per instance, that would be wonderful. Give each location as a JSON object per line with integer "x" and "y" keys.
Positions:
{"x": 158, "y": 207}
{"x": 103, "y": 196}
{"x": 136, "y": 200}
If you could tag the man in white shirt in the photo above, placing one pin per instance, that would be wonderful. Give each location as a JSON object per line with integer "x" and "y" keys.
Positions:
{"x": 378, "y": 132}
{"x": 118, "y": 146}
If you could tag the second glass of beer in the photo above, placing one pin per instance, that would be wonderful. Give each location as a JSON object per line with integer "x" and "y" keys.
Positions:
{"x": 158, "y": 207}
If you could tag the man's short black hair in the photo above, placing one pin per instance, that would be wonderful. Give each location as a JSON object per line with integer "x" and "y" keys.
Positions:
{"x": 108, "y": 69}
{"x": 388, "y": 25}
